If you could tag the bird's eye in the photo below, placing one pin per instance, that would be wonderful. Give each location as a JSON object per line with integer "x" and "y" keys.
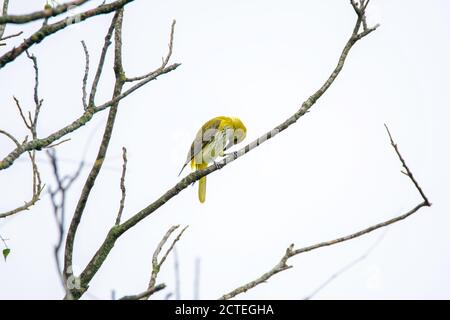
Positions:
{"x": 235, "y": 140}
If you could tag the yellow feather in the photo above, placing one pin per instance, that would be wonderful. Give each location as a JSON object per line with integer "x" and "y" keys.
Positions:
{"x": 202, "y": 184}
{"x": 214, "y": 137}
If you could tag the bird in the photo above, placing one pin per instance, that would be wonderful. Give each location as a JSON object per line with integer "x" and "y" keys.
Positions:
{"x": 213, "y": 138}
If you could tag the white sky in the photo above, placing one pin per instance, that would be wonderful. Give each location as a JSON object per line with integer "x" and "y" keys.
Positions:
{"x": 330, "y": 174}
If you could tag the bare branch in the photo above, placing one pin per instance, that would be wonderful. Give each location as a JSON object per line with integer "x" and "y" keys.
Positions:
{"x": 4, "y": 241}
{"x": 95, "y": 170}
{"x": 11, "y": 36}
{"x": 172, "y": 246}
{"x": 408, "y": 172}
{"x": 31, "y": 125}
{"x": 58, "y": 143}
{"x": 37, "y": 144}
{"x": 37, "y": 186}
{"x": 156, "y": 265}
{"x": 21, "y": 114}
{"x": 164, "y": 62}
{"x": 86, "y": 73}
{"x": 101, "y": 62}
{"x": 135, "y": 87}
{"x": 4, "y": 12}
{"x": 290, "y": 252}
{"x": 46, "y": 13}
{"x": 37, "y": 101}
{"x": 10, "y": 136}
{"x": 280, "y": 266}
{"x": 146, "y": 294}
{"x": 48, "y": 29}
{"x": 122, "y": 185}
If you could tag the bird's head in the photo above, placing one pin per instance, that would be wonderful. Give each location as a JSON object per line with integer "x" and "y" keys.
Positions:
{"x": 240, "y": 131}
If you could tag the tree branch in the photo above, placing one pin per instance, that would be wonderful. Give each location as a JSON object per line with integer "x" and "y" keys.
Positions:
{"x": 101, "y": 62}
{"x": 408, "y": 172}
{"x": 95, "y": 170}
{"x": 37, "y": 101}
{"x": 146, "y": 293}
{"x": 40, "y": 143}
{"x": 290, "y": 252}
{"x": 37, "y": 187}
{"x": 46, "y": 13}
{"x": 122, "y": 186}
{"x": 4, "y": 12}
{"x": 31, "y": 125}
{"x": 86, "y": 74}
{"x": 48, "y": 29}
{"x": 11, "y": 36}
{"x": 165, "y": 60}
{"x": 156, "y": 265}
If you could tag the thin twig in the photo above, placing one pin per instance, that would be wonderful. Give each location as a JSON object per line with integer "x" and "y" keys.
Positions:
{"x": 101, "y": 62}
{"x": 21, "y": 113}
{"x": 136, "y": 86}
{"x": 46, "y": 13}
{"x": 37, "y": 188}
{"x": 95, "y": 170}
{"x": 4, "y": 241}
{"x": 11, "y": 36}
{"x": 37, "y": 144}
{"x": 37, "y": 101}
{"x": 164, "y": 61}
{"x": 49, "y": 29}
{"x": 408, "y": 172}
{"x": 156, "y": 265}
{"x": 10, "y": 136}
{"x": 86, "y": 73}
{"x": 4, "y": 13}
{"x": 122, "y": 186}
{"x": 31, "y": 125}
{"x": 58, "y": 143}
{"x": 146, "y": 294}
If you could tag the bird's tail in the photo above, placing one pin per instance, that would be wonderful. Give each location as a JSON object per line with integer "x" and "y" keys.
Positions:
{"x": 201, "y": 183}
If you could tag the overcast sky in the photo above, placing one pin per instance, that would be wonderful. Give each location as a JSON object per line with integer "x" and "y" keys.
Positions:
{"x": 332, "y": 173}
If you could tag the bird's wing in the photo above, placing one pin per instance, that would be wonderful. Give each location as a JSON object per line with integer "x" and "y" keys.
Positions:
{"x": 204, "y": 136}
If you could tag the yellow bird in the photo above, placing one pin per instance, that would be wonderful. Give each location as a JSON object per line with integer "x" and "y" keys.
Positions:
{"x": 213, "y": 138}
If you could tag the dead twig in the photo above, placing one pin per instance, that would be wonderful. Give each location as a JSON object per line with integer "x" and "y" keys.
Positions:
{"x": 156, "y": 265}
{"x": 165, "y": 60}
{"x": 86, "y": 73}
{"x": 122, "y": 185}
{"x": 146, "y": 293}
